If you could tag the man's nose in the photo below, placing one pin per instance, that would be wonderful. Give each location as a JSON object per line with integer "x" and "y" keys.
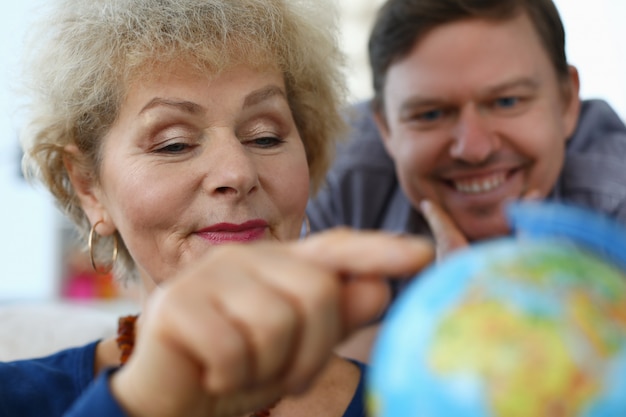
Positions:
{"x": 473, "y": 140}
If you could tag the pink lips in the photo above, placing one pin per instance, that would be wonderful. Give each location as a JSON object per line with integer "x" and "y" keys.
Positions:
{"x": 229, "y": 232}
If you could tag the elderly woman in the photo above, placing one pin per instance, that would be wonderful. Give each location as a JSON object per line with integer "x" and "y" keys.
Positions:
{"x": 172, "y": 132}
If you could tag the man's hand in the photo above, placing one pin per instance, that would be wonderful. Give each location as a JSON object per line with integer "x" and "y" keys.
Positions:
{"x": 447, "y": 235}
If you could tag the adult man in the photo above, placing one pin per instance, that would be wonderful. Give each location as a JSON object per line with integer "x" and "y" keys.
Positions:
{"x": 475, "y": 105}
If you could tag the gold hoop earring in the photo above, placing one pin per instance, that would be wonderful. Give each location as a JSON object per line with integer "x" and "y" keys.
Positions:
{"x": 91, "y": 244}
{"x": 307, "y": 227}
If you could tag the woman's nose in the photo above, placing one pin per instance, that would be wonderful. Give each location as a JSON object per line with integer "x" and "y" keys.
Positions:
{"x": 231, "y": 168}
{"x": 473, "y": 141}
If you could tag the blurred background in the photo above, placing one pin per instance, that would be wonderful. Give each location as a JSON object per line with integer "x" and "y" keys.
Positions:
{"x": 38, "y": 258}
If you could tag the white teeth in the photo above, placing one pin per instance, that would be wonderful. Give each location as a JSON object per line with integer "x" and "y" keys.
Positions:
{"x": 480, "y": 185}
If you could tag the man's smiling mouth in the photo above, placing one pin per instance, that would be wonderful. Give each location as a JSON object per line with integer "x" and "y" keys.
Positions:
{"x": 482, "y": 184}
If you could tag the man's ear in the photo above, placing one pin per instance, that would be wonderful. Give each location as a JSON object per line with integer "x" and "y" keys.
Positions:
{"x": 85, "y": 186}
{"x": 571, "y": 101}
{"x": 383, "y": 128}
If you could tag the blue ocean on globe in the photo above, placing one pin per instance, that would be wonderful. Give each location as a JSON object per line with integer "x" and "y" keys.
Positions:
{"x": 532, "y": 325}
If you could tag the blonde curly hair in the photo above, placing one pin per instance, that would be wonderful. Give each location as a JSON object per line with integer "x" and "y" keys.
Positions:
{"x": 87, "y": 52}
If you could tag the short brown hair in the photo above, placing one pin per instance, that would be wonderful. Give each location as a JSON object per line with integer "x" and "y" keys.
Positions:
{"x": 400, "y": 24}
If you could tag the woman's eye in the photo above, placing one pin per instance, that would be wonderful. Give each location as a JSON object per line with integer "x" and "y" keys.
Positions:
{"x": 266, "y": 141}
{"x": 173, "y": 148}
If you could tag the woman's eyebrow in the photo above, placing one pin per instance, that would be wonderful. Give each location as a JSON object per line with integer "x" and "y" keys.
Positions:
{"x": 263, "y": 94}
{"x": 183, "y": 105}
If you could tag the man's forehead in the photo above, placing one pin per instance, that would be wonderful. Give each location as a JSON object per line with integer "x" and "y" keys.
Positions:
{"x": 477, "y": 53}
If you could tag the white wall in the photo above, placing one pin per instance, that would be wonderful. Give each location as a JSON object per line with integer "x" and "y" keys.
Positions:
{"x": 28, "y": 235}
{"x": 595, "y": 44}
{"x": 357, "y": 18}
{"x": 28, "y": 262}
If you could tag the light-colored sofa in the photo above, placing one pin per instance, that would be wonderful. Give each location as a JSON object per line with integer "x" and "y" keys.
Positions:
{"x": 38, "y": 329}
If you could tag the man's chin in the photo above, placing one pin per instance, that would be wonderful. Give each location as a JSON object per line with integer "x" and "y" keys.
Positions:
{"x": 478, "y": 230}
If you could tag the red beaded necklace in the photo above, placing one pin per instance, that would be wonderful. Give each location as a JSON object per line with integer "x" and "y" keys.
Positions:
{"x": 126, "y": 342}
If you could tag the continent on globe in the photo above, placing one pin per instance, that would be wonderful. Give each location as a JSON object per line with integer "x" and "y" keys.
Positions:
{"x": 533, "y": 325}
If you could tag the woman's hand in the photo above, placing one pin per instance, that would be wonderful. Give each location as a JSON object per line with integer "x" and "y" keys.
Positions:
{"x": 250, "y": 323}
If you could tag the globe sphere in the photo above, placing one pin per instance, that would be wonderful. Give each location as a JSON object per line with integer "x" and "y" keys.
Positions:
{"x": 527, "y": 325}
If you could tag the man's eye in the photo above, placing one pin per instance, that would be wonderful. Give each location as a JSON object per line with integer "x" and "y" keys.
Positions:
{"x": 506, "y": 102}
{"x": 429, "y": 116}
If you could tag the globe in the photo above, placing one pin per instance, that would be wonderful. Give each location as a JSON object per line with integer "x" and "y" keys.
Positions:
{"x": 531, "y": 325}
